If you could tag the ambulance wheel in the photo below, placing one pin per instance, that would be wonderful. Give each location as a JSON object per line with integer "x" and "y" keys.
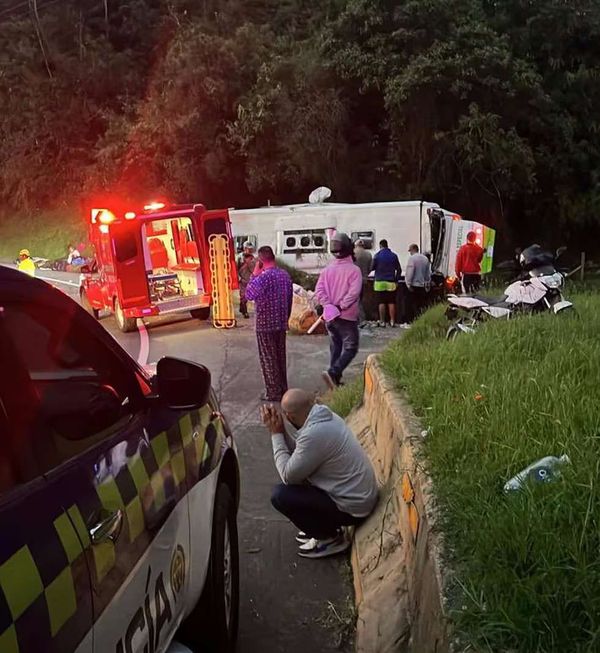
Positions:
{"x": 85, "y": 302}
{"x": 126, "y": 324}
{"x": 213, "y": 623}
{"x": 201, "y": 313}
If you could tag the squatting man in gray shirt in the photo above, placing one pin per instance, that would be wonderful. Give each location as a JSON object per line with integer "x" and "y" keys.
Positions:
{"x": 328, "y": 480}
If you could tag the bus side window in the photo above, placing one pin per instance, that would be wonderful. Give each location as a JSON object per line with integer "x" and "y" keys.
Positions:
{"x": 368, "y": 238}
{"x": 240, "y": 240}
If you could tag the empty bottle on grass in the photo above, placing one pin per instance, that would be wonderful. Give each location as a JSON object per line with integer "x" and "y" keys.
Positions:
{"x": 544, "y": 470}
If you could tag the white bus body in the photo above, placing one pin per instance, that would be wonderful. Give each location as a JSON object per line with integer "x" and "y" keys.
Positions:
{"x": 300, "y": 234}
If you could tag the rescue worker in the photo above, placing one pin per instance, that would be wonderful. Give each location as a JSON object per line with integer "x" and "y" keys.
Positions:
{"x": 26, "y": 263}
{"x": 468, "y": 264}
{"x": 338, "y": 293}
{"x": 245, "y": 267}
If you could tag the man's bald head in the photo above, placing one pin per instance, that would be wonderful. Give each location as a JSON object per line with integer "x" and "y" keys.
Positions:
{"x": 297, "y": 404}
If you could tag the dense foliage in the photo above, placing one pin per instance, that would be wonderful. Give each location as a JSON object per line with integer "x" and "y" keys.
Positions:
{"x": 485, "y": 106}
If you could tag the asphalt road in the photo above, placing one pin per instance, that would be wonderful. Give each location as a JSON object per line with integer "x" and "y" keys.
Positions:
{"x": 285, "y": 599}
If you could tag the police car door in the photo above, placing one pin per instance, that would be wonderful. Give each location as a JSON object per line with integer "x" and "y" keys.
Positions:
{"x": 125, "y": 470}
{"x": 45, "y": 593}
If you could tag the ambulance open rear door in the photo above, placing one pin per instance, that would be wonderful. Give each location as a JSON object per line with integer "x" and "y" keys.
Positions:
{"x": 130, "y": 267}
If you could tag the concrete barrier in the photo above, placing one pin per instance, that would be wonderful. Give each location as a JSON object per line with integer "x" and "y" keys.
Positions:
{"x": 396, "y": 557}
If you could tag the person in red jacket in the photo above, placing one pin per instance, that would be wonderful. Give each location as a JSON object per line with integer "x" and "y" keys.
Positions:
{"x": 468, "y": 263}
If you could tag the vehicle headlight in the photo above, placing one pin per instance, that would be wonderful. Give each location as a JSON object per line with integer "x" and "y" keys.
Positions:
{"x": 552, "y": 280}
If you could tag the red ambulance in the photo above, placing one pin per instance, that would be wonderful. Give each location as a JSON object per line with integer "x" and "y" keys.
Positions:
{"x": 153, "y": 260}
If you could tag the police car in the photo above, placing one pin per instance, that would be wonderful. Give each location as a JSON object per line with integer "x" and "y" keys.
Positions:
{"x": 118, "y": 490}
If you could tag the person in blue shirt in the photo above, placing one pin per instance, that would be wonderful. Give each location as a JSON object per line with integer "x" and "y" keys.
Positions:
{"x": 386, "y": 266}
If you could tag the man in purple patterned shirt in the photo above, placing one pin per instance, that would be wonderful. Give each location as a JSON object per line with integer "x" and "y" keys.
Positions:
{"x": 271, "y": 291}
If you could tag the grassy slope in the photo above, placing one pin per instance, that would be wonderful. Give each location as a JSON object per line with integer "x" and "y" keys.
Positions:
{"x": 528, "y": 566}
{"x": 46, "y": 235}
{"x": 344, "y": 399}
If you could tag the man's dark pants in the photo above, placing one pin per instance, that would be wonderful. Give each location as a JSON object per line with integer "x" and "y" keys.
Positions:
{"x": 416, "y": 301}
{"x": 312, "y": 510}
{"x": 343, "y": 345}
{"x": 273, "y": 362}
{"x": 243, "y": 300}
{"x": 471, "y": 282}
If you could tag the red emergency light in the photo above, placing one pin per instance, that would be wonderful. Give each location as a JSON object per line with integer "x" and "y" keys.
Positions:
{"x": 154, "y": 206}
{"x": 103, "y": 216}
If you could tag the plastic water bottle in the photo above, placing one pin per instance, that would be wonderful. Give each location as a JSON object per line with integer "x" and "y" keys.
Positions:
{"x": 544, "y": 470}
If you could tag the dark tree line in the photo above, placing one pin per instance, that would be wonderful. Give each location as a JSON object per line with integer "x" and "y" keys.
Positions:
{"x": 488, "y": 107}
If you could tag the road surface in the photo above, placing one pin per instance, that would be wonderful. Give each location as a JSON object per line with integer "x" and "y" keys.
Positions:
{"x": 284, "y": 598}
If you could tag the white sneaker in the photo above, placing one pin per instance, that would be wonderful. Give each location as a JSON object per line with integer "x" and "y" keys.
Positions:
{"x": 302, "y": 537}
{"x": 323, "y": 548}
{"x": 405, "y": 326}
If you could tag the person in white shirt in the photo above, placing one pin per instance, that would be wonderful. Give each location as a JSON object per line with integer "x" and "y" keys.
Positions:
{"x": 74, "y": 256}
{"x": 418, "y": 281}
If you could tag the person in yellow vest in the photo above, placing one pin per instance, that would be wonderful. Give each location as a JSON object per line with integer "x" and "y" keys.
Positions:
{"x": 26, "y": 263}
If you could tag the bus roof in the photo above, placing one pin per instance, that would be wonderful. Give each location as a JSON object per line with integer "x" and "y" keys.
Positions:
{"x": 325, "y": 206}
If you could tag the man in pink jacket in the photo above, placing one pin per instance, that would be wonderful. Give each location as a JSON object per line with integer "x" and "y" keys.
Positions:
{"x": 338, "y": 292}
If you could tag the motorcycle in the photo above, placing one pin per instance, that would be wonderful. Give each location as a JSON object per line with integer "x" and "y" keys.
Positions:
{"x": 538, "y": 289}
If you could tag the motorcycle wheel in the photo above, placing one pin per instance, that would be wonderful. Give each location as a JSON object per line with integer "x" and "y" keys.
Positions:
{"x": 452, "y": 332}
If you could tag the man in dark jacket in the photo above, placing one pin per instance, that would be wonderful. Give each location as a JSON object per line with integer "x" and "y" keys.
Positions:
{"x": 363, "y": 259}
{"x": 387, "y": 273}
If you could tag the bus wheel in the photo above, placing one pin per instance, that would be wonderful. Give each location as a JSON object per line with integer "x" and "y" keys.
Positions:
{"x": 126, "y": 324}
{"x": 85, "y": 302}
{"x": 201, "y": 313}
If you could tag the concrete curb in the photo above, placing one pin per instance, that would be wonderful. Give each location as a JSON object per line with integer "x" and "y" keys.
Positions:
{"x": 396, "y": 556}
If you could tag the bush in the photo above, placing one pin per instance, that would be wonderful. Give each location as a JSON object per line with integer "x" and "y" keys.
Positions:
{"x": 527, "y": 565}
{"x": 45, "y": 235}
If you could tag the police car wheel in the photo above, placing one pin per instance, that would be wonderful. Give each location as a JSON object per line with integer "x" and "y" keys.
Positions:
{"x": 201, "y": 313}
{"x": 125, "y": 324}
{"x": 212, "y": 626}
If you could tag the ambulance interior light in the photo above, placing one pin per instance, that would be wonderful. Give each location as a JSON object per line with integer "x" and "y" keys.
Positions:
{"x": 130, "y": 215}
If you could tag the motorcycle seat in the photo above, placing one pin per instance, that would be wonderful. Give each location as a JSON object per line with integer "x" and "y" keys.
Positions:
{"x": 491, "y": 301}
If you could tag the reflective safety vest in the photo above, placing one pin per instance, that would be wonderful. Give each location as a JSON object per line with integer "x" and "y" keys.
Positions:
{"x": 28, "y": 266}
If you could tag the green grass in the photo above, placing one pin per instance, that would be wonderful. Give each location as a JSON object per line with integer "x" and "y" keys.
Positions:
{"x": 527, "y": 566}
{"x": 45, "y": 235}
{"x": 344, "y": 399}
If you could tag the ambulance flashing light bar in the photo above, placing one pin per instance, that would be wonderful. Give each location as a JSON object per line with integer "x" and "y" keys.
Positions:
{"x": 106, "y": 217}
